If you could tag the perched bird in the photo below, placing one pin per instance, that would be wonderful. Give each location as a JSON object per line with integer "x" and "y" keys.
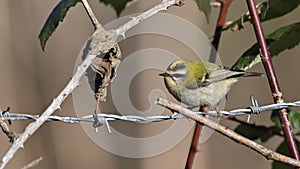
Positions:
{"x": 200, "y": 83}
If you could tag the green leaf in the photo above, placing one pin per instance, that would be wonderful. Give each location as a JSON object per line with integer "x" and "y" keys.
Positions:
{"x": 286, "y": 37}
{"x": 56, "y": 16}
{"x": 294, "y": 118}
{"x": 267, "y": 10}
{"x": 254, "y": 132}
{"x": 118, "y": 5}
{"x": 283, "y": 149}
{"x": 204, "y": 5}
{"x": 278, "y": 8}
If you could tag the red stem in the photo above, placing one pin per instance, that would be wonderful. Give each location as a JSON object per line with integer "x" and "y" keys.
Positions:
{"x": 267, "y": 62}
{"x": 221, "y": 22}
{"x": 218, "y": 32}
{"x": 194, "y": 146}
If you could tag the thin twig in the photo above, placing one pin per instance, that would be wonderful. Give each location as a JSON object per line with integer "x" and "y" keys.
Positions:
{"x": 55, "y": 105}
{"x": 91, "y": 14}
{"x": 273, "y": 82}
{"x": 269, "y": 154}
{"x": 33, "y": 163}
{"x": 137, "y": 19}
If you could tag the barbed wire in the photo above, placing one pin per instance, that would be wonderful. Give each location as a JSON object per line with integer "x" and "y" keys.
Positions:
{"x": 103, "y": 119}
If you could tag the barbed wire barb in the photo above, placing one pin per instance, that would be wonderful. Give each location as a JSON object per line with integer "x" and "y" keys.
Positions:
{"x": 104, "y": 118}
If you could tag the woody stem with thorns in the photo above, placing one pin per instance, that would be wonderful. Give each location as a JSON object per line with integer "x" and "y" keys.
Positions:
{"x": 106, "y": 40}
{"x": 273, "y": 82}
{"x": 269, "y": 154}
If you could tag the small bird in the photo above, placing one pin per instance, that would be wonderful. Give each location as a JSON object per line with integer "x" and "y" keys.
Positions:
{"x": 200, "y": 83}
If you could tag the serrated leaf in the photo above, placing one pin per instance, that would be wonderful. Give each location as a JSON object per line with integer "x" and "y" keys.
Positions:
{"x": 278, "y": 8}
{"x": 118, "y": 5}
{"x": 57, "y": 15}
{"x": 204, "y": 5}
{"x": 294, "y": 118}
{"x": 283, "y": 149}
{"x": 254, "y": 132}
{"x": 267, "y": 10}
{"x": 286, "y": 37}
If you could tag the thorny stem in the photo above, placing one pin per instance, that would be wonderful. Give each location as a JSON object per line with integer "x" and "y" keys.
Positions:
{"x": 74, "y": 82}
{"x": 274, "y": 85}
{"x": 218, "y": 32}
{"x": 269, "y": 154}
{"x": 55, "y": 105}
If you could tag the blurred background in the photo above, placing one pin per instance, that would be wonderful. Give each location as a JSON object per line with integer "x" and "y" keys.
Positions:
{"x": 31, "y": 78}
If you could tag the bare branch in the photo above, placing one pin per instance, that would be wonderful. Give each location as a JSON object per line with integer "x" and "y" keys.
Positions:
{"x": 137, "y": 19}
{"x": 104, "y": 46}
{"x": 269, "y": 154}
{"x": 272, "y": 78}
{"x": 32, "y": 127}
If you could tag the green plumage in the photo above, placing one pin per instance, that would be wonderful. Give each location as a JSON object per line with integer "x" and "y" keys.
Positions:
{"x": 204, "y": 73}
{"x": 200, "y": 83}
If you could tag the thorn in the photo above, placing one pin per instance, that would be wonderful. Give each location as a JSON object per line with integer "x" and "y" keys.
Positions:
{"x": 228, "y": 23}
{"x": 215, "y": 4}
{"x": 123, "y": 35}
{"x": 22, "y": 146}
{"x": 134, "y": 18}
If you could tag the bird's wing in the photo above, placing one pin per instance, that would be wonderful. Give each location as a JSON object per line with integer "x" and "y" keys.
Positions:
{"x": 217, "y": 73}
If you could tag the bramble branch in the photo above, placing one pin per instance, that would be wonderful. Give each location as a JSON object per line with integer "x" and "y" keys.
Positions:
{"x": 272, "y": 78}
{"x": 269, "y": 154}
{"x": 32, "y": 127}
{"x": 74, "y": 82}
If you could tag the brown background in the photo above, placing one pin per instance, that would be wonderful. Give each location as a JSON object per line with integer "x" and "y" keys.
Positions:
{"x": 30, "y": 79}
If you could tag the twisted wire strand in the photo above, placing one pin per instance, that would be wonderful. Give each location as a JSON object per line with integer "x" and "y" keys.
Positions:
{"x": 104, "y": 118}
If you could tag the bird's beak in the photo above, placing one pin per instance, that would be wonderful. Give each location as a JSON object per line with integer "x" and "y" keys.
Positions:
{"x": 164, "y": 74}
